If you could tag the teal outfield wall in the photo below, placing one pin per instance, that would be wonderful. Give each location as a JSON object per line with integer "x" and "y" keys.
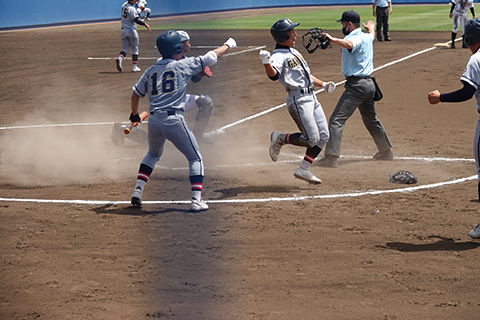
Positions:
{"x": 31, "y": 13}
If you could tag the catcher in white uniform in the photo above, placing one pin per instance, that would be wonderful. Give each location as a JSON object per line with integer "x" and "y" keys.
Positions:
{"x": 458, "y": 14}
{"x": 471, "y": 86}
{"x": 130, "y": 38}
{"x": 289, "y": 67}
{"x": 165, "y": 84}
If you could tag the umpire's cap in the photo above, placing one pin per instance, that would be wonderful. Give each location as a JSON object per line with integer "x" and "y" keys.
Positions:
{"x": 350, "y": 16}
{"x": 169, "y": 43}
{"x": 280, "y": 28}
{"x": 471, "y": 34}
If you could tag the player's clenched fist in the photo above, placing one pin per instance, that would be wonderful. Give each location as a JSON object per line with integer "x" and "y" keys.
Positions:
{"x": 265, "y": 56}
{"x": 231, "y": 43}
{"x": 329, "y": 86}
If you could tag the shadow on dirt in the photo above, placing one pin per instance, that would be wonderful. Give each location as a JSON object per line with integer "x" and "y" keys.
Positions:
{"x": 444, "y": 244}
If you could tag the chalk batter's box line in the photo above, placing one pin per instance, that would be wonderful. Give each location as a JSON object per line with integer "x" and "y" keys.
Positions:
{"x": 249, "y": 48}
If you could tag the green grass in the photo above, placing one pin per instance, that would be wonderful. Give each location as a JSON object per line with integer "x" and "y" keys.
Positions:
{"x": 404, "y": 18}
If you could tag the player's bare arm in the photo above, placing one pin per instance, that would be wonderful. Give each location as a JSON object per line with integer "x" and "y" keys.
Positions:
{"x": 134, "y": 101}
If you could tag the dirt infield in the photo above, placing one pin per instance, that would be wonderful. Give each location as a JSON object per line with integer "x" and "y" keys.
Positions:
{"x": 340, "y": 254}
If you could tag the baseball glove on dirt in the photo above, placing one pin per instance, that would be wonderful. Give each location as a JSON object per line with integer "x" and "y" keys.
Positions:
{"x": 317, "y": 38}
{"x": 403, "y": 176}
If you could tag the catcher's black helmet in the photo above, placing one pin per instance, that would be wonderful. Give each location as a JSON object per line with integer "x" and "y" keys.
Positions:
{"x": 169, "y": 43}
{"x": 280, "y": 28}
{"x": 471, "y": 35}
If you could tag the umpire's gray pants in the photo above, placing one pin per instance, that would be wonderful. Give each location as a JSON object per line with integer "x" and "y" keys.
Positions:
{"x": 358, "y": 94}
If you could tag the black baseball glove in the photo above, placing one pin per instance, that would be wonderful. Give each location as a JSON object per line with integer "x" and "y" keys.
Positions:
{"x": 403, "y": 176}
{"x": 317, "y": 38}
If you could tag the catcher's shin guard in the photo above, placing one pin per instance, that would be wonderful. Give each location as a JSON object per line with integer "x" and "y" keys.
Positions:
{"x": 205, "y": 107}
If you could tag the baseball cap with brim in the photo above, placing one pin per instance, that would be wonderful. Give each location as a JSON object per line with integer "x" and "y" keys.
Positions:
{"x": 350, "y": 16}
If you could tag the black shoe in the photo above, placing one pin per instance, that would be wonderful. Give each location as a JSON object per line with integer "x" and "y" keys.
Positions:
{"x": 383, "y": 155}
{"x": 379, "y": 39}
{"x": 327, "y": 161}
{"x": 388, "y": 39}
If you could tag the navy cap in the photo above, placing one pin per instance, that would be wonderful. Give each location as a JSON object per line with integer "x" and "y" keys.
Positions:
{"x": 350, "y": 16}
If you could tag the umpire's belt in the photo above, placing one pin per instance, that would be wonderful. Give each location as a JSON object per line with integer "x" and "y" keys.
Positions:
{"x": 356, "y": 78}
{"x": 300, "y": 91}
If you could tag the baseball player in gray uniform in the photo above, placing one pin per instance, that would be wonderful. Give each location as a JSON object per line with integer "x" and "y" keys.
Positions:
{"x": 289, "y": 67}
{"x": 458, "y": 14}
{"x": 203, "y": 103}
{"x": 165, "y": 85}
{"x": 130, "y": 19}
{"x": 471, "y": 86}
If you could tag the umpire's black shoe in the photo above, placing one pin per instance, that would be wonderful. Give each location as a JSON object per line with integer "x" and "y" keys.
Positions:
{"x": 388, "y": 39}
{"x": 383, "y": 155}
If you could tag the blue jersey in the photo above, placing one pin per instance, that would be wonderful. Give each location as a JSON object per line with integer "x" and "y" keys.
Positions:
{"x": 359, "y": 60}
{"x": 166, "y": 81}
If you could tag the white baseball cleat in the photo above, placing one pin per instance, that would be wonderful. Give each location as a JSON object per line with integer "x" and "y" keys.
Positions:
{"x": 275, "y": 145}
{"x": 475, "y": 232}
{"x": 197, "y": 205}
{"x": 119, "y": 64}
{"x": 137, "y": 197}
{"x": 135, "y": 68}
{"x": 306, "y": 175}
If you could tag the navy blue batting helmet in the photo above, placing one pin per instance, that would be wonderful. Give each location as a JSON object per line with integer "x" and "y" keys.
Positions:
{"x": 169, "y": 43}
{"x": 471, "y": 35}
{"x": 280, "y": 28}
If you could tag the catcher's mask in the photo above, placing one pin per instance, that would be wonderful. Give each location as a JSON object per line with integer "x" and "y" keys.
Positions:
{"x": 471, "y": 33}
{"x": 316, "y": 40}
{"x": 280, "y": 28}
{"x": 169, "y": 43}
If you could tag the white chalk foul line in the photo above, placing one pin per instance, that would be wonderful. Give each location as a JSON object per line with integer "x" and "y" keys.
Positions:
{"x": 294, "y": 198}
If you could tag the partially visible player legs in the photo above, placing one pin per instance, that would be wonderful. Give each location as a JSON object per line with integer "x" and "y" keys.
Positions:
{"x": 135, "y": 67}
{"x": 119, "y": 60}
{"x": 184, "y": 140}
{"x": 454, "y": 36}
{"x": 463, "y": 22}
{"x": 205, "y": 106}
{"x": 455, "y": 21}
{"x": 134, "y": 42}
{"x": 136, "y": 134}
{"x": 147, "y": 11}
{"x": 475, "y": 232}
{"x": 310, "y": 119}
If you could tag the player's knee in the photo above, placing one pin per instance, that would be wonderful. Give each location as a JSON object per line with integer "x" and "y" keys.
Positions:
{"x": 205, "y": 104}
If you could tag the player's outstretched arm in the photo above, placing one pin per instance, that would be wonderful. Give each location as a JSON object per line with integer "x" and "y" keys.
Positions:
{"x": 265, "y": 56}
{"x": 229, "y": 44}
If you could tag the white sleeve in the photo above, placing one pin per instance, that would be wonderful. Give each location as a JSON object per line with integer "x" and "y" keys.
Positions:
{"x": 210, "y": 58}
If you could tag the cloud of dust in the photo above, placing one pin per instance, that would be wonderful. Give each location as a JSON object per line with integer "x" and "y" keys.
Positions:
{"x": 59, "y": 155}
